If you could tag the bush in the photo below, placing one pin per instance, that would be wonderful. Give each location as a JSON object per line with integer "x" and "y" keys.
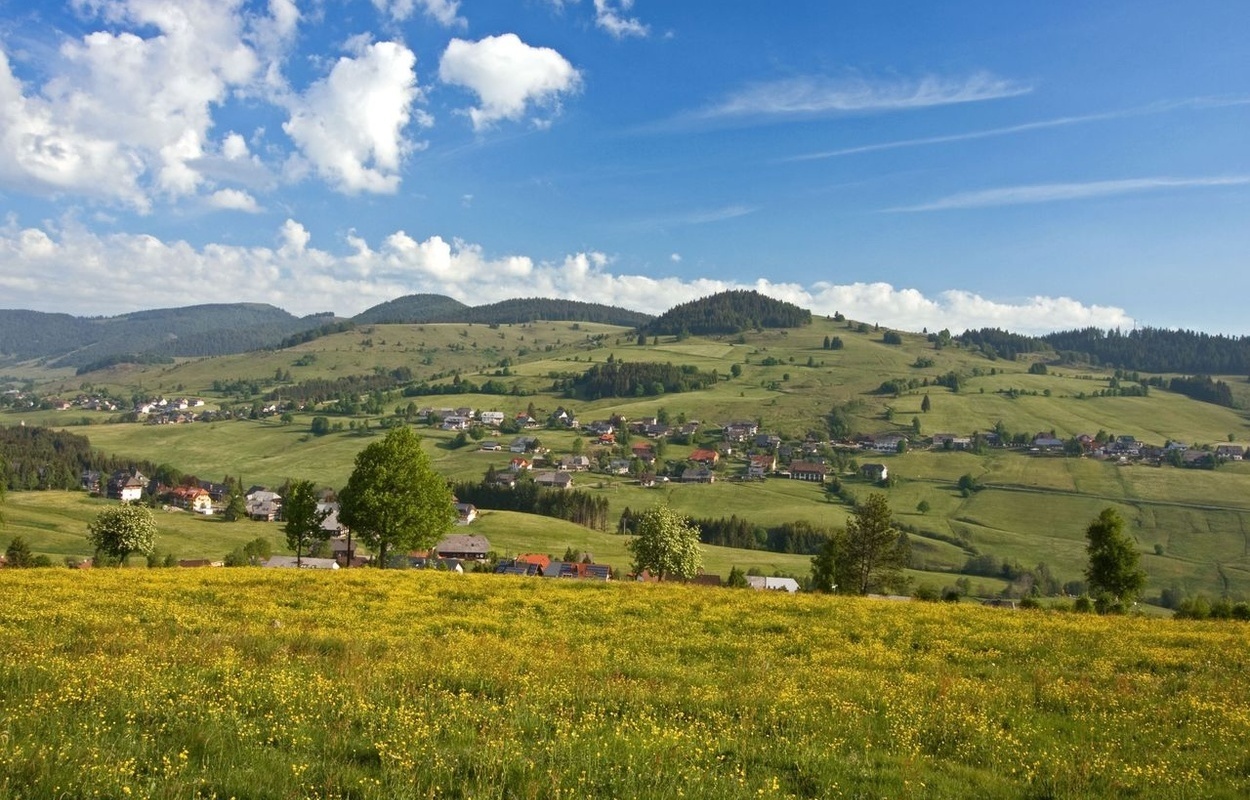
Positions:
{"x": 927, "y": 594}
{"x": 1083, "y": 605}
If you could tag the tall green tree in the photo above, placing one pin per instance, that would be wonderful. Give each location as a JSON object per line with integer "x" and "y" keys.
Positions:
{"x": 303, "y": 518}
{"x": 121, "y": 530}
{"x": 871, "y": 553}
{"x": 666, "y": 545}
{"x": 394, "y": 499}
{"x": 1113, "y": 561}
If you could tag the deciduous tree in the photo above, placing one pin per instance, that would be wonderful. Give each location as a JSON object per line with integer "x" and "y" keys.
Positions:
{"x": 394, "y": 498}
{"x": 121, "y": 530}
{"x": 667, "y": 545}
{"x": 1113, "y": 560}
{"x": 303, "y": 518}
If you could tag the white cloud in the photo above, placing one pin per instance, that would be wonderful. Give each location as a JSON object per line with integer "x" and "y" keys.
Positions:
{"x": 235, "y": 200}
{"x": 614, "y": 19}
{"x": 446, "y": 12}
{"x": 82, "y": 267}
{"x": 125, "y": 114}
{"x": 812, "y": 96}
{"x": 675, "y": 258}
{"x": 508, "y": 76}
{"x": 1055, "y": 192}
{"x": 350, "y": 125}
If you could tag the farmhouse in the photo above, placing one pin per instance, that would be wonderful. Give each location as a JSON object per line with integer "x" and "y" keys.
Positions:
{"x": 192, "y": 498}
{"x": 705, "y": 457}
{"x": 875, "y": 472}
{"x": 697, "y": 474}
{"x": 808, "y": 471}
{"x": 554, "y": 480}
{"x": 761, "y": 465}
{"x": 127, "y": 486}
{"x": 463, "y": 546}
{"x": 264, "y": 506}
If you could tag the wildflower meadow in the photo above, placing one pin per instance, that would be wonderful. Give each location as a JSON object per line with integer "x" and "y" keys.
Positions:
{"x": 253, "y": 683}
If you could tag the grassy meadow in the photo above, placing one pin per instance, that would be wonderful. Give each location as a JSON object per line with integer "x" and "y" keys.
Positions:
{"x": 283, "y": 684}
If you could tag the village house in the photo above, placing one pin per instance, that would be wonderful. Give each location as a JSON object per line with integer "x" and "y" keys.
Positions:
{"x": 874, "y": 472}
{"x": 192, "y": 498}
{"x": 618, "y": 466}
{"x": 740, "y": 430}
{"x": 306, "y": 562}
{"x": 761, "y": 465}
{"x": 465, "y": 513}
{"x": 263, "y": 506}
{"x": 127, "y": 487}
{"x": 492, "y": 419}
{"x": 762, "y": 583}
{"x": 705, "y": 457}
{"x": 575, "y": 463}
{"x": 697, "y": 473}
{"x": 463, "y": 547}
{"x": 808, "y": 471}
{"x": 554, "y": 480}
{"x": 1230, "y": 452}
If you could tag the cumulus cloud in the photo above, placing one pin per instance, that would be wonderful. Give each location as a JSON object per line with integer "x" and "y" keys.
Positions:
{"x": 124, "y": 115}
{"x": 350, "y": 124}
{"x": 508, "y": 76}
{"x": 356, "y": 274}
{"x": 612, "y": 18}
{"x": 235, "y": 200}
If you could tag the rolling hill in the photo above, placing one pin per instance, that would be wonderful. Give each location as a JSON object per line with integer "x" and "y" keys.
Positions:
{"x": 1190, "y": 524}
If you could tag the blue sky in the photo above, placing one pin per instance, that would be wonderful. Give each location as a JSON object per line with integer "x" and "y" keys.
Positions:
{"x": 1027, "y": 166}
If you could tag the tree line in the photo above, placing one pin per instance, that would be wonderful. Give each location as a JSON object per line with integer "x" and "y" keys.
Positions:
{"x": 39, "y": 458}
{"x": 528, "y": 497}
{"x": 634, "y": 379}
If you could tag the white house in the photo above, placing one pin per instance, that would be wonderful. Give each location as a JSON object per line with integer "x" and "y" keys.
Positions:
{"x": 779, "y": 584}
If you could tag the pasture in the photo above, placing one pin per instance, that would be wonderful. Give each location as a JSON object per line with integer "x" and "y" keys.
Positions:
{"x": 364, "y": 684}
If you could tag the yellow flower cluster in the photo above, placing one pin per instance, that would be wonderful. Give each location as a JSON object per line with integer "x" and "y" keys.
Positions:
{"x": 365, "y": 684}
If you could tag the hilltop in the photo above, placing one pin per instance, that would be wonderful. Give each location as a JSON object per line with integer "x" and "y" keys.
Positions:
{"x": 432, "y": 308}
{"x": 727, "y": 313}
{"x": 152, "y": 336}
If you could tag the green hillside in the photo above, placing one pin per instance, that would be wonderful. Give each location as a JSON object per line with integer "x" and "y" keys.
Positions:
{"x": 1192, "y": 526}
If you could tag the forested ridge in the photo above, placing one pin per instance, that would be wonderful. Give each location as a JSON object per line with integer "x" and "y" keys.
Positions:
{"x": 39, "y": 458}
{"x": 204, "y": 330}
{"x": 432, "y": 308}
{"x": 725, "y": 313}
{"x": 1142, "y": 349}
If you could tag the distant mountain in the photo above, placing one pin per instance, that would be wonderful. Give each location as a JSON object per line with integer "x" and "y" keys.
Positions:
{"x": 728, "y": 312}
{"x": 432, "y": 308}
{"x": 204, "y": 330}
{"x": 409, "y": 309}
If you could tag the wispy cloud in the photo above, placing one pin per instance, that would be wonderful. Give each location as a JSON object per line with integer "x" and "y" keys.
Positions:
{"x": 696, "y": 217}
{"x": 1056, "y": 192}
{"x": 1059, "y": 122}
{"x": 809, "y": 95}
